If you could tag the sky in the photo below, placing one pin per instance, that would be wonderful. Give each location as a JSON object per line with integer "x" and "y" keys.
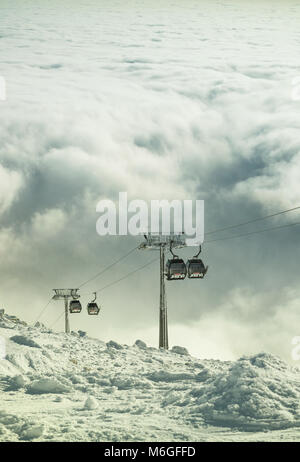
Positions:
{"x": 163, "y": 100}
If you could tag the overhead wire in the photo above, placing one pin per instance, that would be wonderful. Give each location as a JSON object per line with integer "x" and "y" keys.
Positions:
{"x": 126, "y": 275}
{"x": 108, "y": 267}
{"x": 253, "y": 232}
{"x": 59, "y": 317}
{"x": 43, "y": 310}
{"x": 253, "y": 221}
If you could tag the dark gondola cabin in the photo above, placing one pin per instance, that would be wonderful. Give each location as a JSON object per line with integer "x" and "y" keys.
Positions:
{"x": 93, "y": 309}
{"x": 196, "y": 269}
{"x": 75, "y": 306}
{"x": 175, "y": 269}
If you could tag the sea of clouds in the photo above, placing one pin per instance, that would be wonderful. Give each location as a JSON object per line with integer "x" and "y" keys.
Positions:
{"x": 177, "y": 100}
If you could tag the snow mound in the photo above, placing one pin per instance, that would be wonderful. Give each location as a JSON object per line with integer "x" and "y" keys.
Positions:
{"x": 115, "y": 345}
{"x": 141, "y": 344}
{"x": 13, "y": 427}
{"x": 165, "y": 376}
{"x": 17, "y": 382}
{"x": 31, "y": 432}
{"x": 90, "y": 403}
{"x": 46, "y": 386}
{"x": 256, "y": 392}
{"x": 180, "y": 350}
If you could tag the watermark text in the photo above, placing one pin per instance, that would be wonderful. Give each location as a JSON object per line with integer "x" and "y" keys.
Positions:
{"x": 136, "y": 217}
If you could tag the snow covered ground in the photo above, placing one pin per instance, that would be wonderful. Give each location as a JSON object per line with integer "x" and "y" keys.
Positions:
{"x": 58, "y": 387}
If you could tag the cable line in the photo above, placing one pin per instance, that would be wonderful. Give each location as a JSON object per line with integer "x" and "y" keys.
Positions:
{"x": 129, "y": 274}
{"x": 59, "y": 317}
{"x": 43, "y": 310}
{"x": 253, "y": 232}
{"x": 108, "y": 267}
{"x": 253, "y": 221}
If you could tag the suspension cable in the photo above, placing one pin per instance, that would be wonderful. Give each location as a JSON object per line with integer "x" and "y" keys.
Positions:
{"x": 108, "y": 267}
{"x": 253, "y": 221}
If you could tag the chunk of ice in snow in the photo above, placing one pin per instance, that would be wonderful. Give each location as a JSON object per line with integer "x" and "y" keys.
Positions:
{"x": 32, "y": 432}
{"x": 16, "y": 382}
{"x": 141, "y": 344}
{"x": 180, "y": 350}
{"x": 90, "y": 403}
{"x": 112, "y": 344}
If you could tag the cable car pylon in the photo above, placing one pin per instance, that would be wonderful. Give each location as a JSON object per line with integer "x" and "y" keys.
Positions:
{"x": 163, "y": 310}
{"x": 157, "y": 241}
{"x": 65, "y": 294}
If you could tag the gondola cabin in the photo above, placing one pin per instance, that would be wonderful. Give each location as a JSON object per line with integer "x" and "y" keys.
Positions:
{"x": 175, "y": 269}
{"x": 196, "y": 269}
{"x": 75, "y": 306}
{"x": 93, "y": 309}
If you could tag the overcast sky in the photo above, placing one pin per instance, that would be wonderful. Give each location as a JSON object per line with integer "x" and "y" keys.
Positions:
{"x": 164, "y": 100}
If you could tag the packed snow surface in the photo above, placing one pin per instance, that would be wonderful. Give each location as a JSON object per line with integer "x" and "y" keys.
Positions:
{"x": 58, "y": 387}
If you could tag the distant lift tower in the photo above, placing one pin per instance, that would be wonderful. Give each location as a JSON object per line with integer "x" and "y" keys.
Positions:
{"x": 157, "y": 241}
{"x": 65, "y": 294}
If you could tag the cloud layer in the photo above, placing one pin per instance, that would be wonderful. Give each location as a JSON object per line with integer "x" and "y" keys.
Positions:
{"x": 186, "y": 101}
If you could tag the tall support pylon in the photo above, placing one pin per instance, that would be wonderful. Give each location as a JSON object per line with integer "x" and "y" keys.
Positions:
{"x": 65, "y": 294}
{"x": 158, "y": 241}
{"x": 67, "y": 322}
{"x": 163, "y": 311}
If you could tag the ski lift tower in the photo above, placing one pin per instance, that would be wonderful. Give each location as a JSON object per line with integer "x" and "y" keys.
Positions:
{"x": 158, "y": 241}
{"x": 65, "y": 294}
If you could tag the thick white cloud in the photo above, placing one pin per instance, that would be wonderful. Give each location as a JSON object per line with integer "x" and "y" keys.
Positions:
{"x": 48, "y": 224}
{"x": 164, "y": 102}
{"x": 10, "y": 184}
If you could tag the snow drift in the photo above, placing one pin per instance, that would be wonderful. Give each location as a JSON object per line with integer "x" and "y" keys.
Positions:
{"x": 55, "y": 386}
